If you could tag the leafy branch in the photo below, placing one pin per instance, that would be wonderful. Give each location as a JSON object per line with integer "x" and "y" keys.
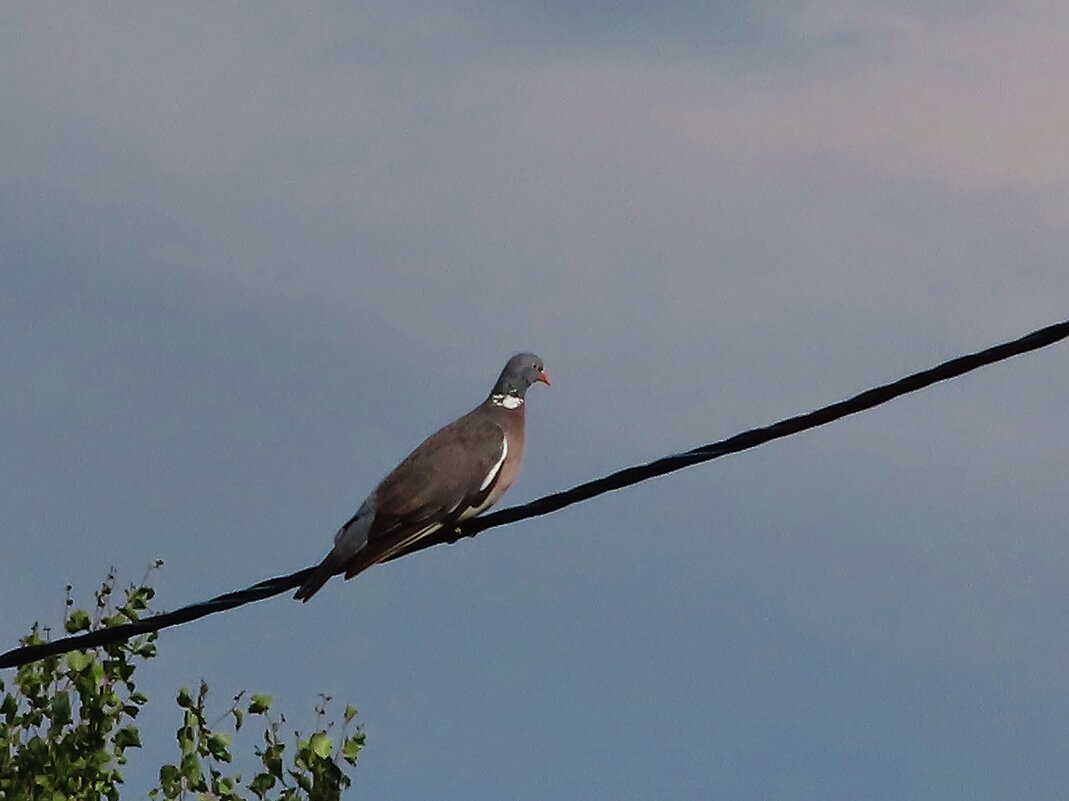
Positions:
{"x": 68, "y": 721}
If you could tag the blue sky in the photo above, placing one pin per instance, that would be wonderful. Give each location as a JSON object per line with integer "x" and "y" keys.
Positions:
{"x": 250, "y": 257}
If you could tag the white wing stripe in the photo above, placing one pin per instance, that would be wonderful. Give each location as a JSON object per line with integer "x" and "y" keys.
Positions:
{"x": 353, "y": 536}
{"x": 497, "y": 467}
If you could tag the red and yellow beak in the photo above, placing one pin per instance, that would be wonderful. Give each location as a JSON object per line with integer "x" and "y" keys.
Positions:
{"x": 543, "y": 377}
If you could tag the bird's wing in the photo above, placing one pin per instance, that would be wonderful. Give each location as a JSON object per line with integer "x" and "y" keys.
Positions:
{"x": 445, "y": 480}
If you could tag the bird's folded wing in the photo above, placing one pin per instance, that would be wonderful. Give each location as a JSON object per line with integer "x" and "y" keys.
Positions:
{"x": 443, "y": 481}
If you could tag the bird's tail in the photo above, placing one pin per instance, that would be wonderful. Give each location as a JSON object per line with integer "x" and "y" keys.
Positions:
{"x": 330, "y": 566}
{"x": 370, "y": 554}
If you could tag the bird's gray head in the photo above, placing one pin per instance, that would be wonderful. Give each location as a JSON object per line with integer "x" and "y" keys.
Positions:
{"x": 520, "y": 372}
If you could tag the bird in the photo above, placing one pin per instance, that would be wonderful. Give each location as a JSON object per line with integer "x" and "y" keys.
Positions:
{"x": 455, "y": 474}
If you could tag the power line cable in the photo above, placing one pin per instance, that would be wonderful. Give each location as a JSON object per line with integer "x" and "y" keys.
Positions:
{"x": 559, "y": 500}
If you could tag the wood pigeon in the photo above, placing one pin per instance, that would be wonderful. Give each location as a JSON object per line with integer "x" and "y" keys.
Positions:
{"x": 457, "y": 473}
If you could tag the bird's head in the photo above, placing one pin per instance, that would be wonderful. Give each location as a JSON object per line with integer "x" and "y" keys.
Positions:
{"x": 519, "y": 373}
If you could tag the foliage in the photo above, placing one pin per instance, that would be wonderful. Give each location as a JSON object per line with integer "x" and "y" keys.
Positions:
{"x": 67, "y": 723}
{"x": 314, "y": 773}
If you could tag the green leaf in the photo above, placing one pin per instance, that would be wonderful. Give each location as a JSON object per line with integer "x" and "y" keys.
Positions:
{"x": 261, "y": 783}
{"x": 170, "y": 780}
{"x": 100, "y": 757}
{"x": 78, "y": 621}
{"x": 191, "y": 769}
{"x": 185, "y": 698}
{"x": 185, "y": 737}
{"x": 78, "y": 661}
{"x": 259, "y": 704}
{"x": 302, "y": 781}
{"x": 61, "y": 709}
{"x": 124, "y": 670}
{"x": 272, "y": 758}
{"x": 300, "y": 757}
{"x": 351, "y": 747}
{"x": 127, "y": 737}
{"x": 321, "y": 745}
{"x": 350, "y": 712}
{"x": 219, "y": 745}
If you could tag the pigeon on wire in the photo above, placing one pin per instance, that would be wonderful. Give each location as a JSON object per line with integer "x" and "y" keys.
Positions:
{"x": 456, "y": 473}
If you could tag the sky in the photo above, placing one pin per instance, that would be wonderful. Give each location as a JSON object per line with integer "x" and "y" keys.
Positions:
{"x": 250, "y": 255}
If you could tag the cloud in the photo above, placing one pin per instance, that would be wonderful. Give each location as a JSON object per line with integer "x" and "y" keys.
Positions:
{"x": 476, "y": 171}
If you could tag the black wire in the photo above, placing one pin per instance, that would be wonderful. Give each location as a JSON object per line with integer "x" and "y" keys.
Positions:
{"x": 559, "y": 500}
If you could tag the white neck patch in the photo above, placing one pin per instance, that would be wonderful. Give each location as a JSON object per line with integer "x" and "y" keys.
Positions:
{"x": 508, "y": 401}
